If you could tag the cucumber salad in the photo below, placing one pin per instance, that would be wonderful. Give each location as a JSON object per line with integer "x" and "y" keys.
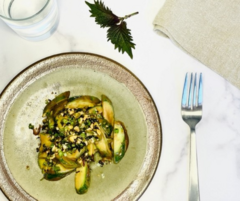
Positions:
{"x": 76, "y": 132}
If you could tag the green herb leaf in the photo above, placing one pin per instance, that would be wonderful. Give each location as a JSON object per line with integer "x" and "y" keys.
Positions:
{"x": 121, "y": 37}
{"x": 60, "y": 153}
{"x": 30, "y": 126}
{"x": 103, "y": 15}
{"x": 117, "y": 32}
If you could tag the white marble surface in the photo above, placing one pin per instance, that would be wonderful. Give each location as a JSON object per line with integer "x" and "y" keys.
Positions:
{"x": 161, "y": 66}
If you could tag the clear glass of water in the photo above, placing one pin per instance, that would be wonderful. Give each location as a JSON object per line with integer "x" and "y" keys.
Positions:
{"x": 31, "y": 19}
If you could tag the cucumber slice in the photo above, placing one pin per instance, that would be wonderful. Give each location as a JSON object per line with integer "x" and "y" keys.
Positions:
{"x": 103, "y": 145}
{"x": 120, "y": 141}
{"x": 106, "y": 126}
{"x": 42, "y": 163}
{"x": 76, "y": 154}
{"x": 42, "y": 155}
{"x": 45, "y": 141}
{"x": 83, "y": 102}
{"x": 66, "y": 162}
{"x": 82, "y": 179}
{"x": 48, "y": 108}
{"x": 59, "y": 107}
{"x": 57, "y": 172}
{"x": 108, "y": 112}
{"x": 95, "y": 110}
{"x": 92, "y": 149}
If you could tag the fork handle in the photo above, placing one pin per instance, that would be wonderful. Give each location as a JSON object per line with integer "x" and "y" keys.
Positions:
{"x": 194, "y": 194}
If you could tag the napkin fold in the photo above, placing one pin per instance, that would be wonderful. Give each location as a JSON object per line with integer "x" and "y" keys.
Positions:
{"x": 209, "y": 30}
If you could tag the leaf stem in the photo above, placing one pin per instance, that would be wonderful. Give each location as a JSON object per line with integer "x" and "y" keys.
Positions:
{"x": 127, "y": 16}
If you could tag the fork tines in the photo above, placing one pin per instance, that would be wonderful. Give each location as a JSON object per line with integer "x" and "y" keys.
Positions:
{"x": 192, "y": 91}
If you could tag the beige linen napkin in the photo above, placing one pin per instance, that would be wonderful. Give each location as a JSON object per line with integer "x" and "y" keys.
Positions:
{"x": 209, "y": 30}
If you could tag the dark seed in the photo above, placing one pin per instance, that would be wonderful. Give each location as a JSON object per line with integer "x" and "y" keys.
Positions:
{"x": 101, "y": 163}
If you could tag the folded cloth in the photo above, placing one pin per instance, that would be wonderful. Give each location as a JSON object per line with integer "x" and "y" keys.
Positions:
{"x": 209, "y": 30}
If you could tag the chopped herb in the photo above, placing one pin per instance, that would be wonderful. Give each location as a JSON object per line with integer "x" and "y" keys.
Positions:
{"x": 83, "y": 135}
{"x": 60, "y": 153}
{"x": 30, "y": 126}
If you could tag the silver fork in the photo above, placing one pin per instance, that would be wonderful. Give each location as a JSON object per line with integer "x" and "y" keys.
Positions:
{"x": 192, "y": 114}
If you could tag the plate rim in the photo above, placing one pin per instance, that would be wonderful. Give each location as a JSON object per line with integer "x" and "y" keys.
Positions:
{"x": 20, "y": 190}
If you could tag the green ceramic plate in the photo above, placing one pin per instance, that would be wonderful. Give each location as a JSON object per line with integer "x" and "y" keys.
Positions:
{"x": 22, "y": 103}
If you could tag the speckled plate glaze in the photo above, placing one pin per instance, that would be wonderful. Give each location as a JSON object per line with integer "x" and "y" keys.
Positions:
{"x": 22, "y": 102}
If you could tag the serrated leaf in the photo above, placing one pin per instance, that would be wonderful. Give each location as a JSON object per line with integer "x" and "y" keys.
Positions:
{"x": 120, "y": 36}
{"x": 103, "y": 15}
{"x": 117, "y": 33}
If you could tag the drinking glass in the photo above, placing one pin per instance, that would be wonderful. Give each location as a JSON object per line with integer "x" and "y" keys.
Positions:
{"x": 31, "y": 19}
